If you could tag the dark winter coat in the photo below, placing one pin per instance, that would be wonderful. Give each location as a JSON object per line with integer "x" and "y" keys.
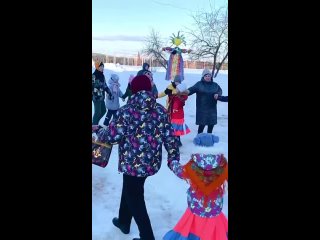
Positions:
{"x": 141, "y": 72}
{"x": 206, "y": 105}
{"x": 223, "y": 98}
{"x": 99, "y": 86}
{"x": 140, "y": 128}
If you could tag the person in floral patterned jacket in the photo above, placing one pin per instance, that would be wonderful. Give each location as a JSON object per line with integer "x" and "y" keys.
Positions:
{"x": 207, "y": 174}
{"x": 140, "y": 128}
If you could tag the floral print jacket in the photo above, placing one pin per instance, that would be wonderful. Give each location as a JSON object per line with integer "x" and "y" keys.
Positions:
{"x": 140, "y": 128}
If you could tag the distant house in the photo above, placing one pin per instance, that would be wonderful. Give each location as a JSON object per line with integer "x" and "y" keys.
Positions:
{"x": 139, "y": 60}
{"x": 99, "y": 57}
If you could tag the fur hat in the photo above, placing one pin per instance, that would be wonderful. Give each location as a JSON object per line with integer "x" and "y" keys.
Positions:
{"x": 205, "y": 72}
{"x": 182, "y": 87}
{"x": 140, "y": 83}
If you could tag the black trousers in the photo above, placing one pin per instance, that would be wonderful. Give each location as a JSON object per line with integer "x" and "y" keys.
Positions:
{"x": 133, "y": 205}
{"x": 110, "y": 114}
{"x": 201, "y": 128}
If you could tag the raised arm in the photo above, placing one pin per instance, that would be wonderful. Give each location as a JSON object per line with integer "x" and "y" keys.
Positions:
{"x": 193, "y": 89}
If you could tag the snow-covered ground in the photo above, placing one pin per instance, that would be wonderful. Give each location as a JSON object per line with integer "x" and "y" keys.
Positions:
{"x": 165, "y": 194}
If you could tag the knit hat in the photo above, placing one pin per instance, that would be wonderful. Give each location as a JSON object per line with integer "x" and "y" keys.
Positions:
{"x": 140, "y": 83}
{"x": 181, "y": 87}
{"x": 114, "y": 77}
{"x": 114, "y": 84}
{"x": 205, "y": 72}
{"x": 145, "y": 65}
{"x": 177, "y": 78}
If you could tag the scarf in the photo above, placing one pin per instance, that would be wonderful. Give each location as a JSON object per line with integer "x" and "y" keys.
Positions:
{"x": 206, "y": 183}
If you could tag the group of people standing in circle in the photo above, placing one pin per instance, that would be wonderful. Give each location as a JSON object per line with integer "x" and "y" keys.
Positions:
{"x": 141, "y": 127}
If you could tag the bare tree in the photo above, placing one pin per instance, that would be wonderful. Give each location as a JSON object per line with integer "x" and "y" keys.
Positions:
{"x": 209, "y": 38}
{"x": 153, "y": 48}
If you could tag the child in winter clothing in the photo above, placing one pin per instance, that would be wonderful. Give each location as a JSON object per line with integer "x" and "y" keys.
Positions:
{"x": 207, "y": 173}
{"x": 112, "y": 100}
{"x": 175, "y": 105}
{"x": 170, "y": 90}
{"x": 176, "y": 113}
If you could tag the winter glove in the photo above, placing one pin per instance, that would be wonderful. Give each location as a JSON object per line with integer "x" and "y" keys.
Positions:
{"x": 168, "y": 92}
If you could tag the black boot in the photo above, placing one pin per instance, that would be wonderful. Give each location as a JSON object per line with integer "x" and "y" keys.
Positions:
{"x": 123, "y": 229}
{"x": 180, "y": 143}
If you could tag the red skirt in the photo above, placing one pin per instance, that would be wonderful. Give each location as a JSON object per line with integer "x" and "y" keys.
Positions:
{"x": 193, "y": 227}
{"x": 179, "y": 127}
